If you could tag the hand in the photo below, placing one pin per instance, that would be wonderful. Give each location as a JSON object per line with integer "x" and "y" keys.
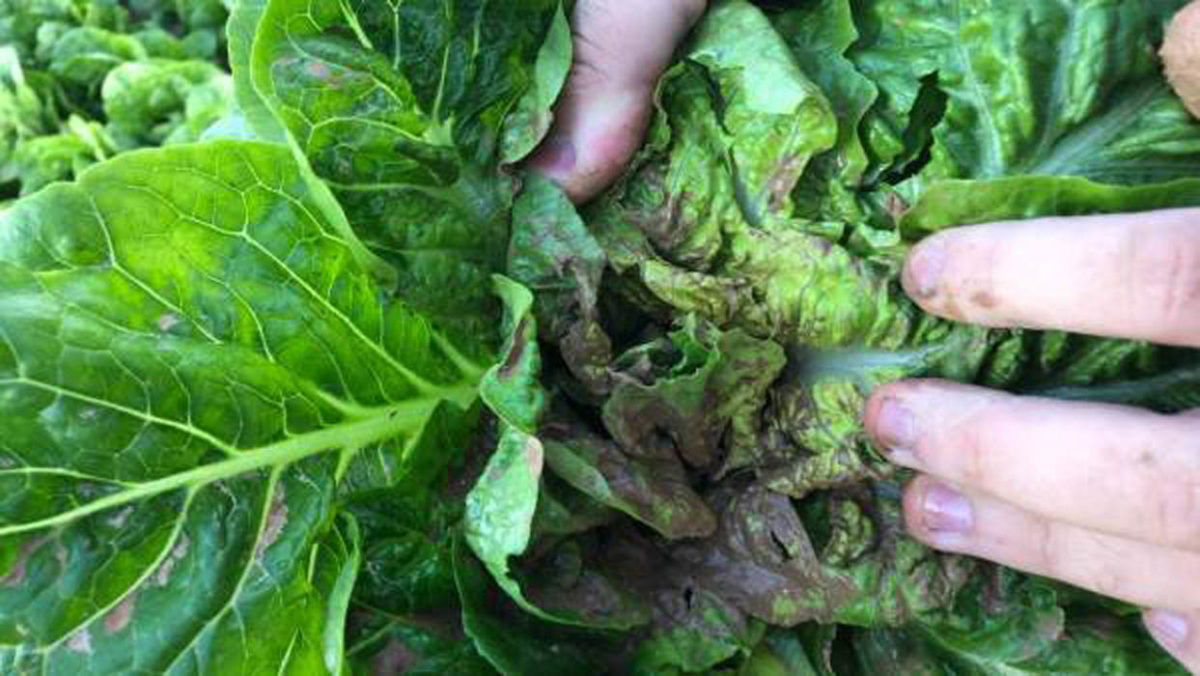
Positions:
{"x": 621, "y": 49}
{"x": 1103, "y": 497}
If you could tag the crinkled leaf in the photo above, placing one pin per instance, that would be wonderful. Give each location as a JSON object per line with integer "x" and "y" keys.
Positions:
{"x": 819, "y": 36}
{"x": 656, "y": 493}
{"x": 82, "y": 56}
{"x": 157, "y": 102}
{"x": 529, "y": 122}
{"x": 406, "y": 126}
{"x": 552, "y": 253}
{"x": 56, "y": 157}
{"x": 707, "y": 400}
{"x": 1040, "y": 87}
{"x": 516, "y": 644}
{"x": 380, "y": 644}
{"x": 700, "y": 632}
{"x": 20, "y": 21}
{"x": 23, "y": 113}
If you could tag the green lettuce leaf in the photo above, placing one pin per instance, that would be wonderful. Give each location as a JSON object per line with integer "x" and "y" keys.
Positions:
{"x": 164, "y": 102}
{"x": 1086, "y": 100}
{"x": 383, "y": 644}
{"x": 192, "y": 362}
{"x": 253, "y": 418}
{"x": 84, "y": 55}
{"x": 241, "y": 29}
{"x": 407, "y": 126}
{"x": 42, "y": 160}
{"x": 515, "y": 643}
{"x": 552, "y": 253}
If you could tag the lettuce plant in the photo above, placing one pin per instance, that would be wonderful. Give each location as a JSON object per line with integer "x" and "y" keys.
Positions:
{"x": 335, "y": 387}
{"x": 82, "y": 80}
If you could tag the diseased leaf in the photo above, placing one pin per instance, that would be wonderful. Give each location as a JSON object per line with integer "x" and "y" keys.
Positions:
{"x": 383, "y": 645}
{"x": 191, "y": 361}
{"x": 779, "y": 654}
{"x": 528, "y": 124}
{"x": 405, "y": 128}
{"x": 521, "y": 644}
{"x": 379, "y": 644}
{"x": 703, "y": 633}
{"x": 655, "y": 492}
{"x": 501, "y": 507}
{"x": 552, "y": 253}
{"x": 511, "y": 388}
{"x": 241, "y": 381}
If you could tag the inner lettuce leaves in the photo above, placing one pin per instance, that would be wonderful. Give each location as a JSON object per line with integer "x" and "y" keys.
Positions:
{"x": 350, "y": 392}
{"x": 755, "y": 241}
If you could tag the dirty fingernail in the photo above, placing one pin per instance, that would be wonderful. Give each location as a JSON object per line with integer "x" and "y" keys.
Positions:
{"x": 556, "y": 158}
{"x": 947, "y": 511}
{"x": 896, "y": 428}
{"x": 925, "y": 270}
{"x": 1169, "y": 627}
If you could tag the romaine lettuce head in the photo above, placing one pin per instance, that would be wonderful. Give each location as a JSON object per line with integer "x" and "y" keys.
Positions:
{"x": 354, "y": 394}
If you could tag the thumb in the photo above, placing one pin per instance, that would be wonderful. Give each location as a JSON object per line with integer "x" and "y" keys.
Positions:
{"x": 621, "y": 49}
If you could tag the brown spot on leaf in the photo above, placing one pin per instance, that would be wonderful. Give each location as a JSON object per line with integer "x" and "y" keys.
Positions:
{"x": 896, "y": 206}
{"x": 168, "y": 321}
{"x": 534, "y": 456}
{"x": 118, "y": 618}
{"x": 118, "y": 519}
{"x": 276, "y": 520}
{"x": 513, "y": 359}
{"x": 1146, "y": 458}
{"x": 163, "y": 575}
{"x": 785, "y": 177}
{"x": 319, "y": 70}
{"x": 80, "y": 642}
{"x": 16, "y": 574}
{"x": 395, "y": 658}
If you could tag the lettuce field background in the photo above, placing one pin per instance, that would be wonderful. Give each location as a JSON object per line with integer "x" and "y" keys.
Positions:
{"x": 300, "y": 373}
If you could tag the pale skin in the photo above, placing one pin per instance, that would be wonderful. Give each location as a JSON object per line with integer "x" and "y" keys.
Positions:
{"x": 1103, "y": 497}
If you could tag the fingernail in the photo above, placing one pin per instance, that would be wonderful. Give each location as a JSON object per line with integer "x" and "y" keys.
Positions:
{"x": 1169, "y": 627}
{"x": 896, "y": 428}
{"x": 946, "y": 511}
{"x": 925, "y": 269}
{"x": 556, "y": 157}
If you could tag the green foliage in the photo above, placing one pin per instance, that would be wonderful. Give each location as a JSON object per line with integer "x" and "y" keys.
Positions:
{"x": 81, "y": 80}
{"x": 326, "y": 385}
{"x": 194, "y": 386}
{"x": 401, "y": 109}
